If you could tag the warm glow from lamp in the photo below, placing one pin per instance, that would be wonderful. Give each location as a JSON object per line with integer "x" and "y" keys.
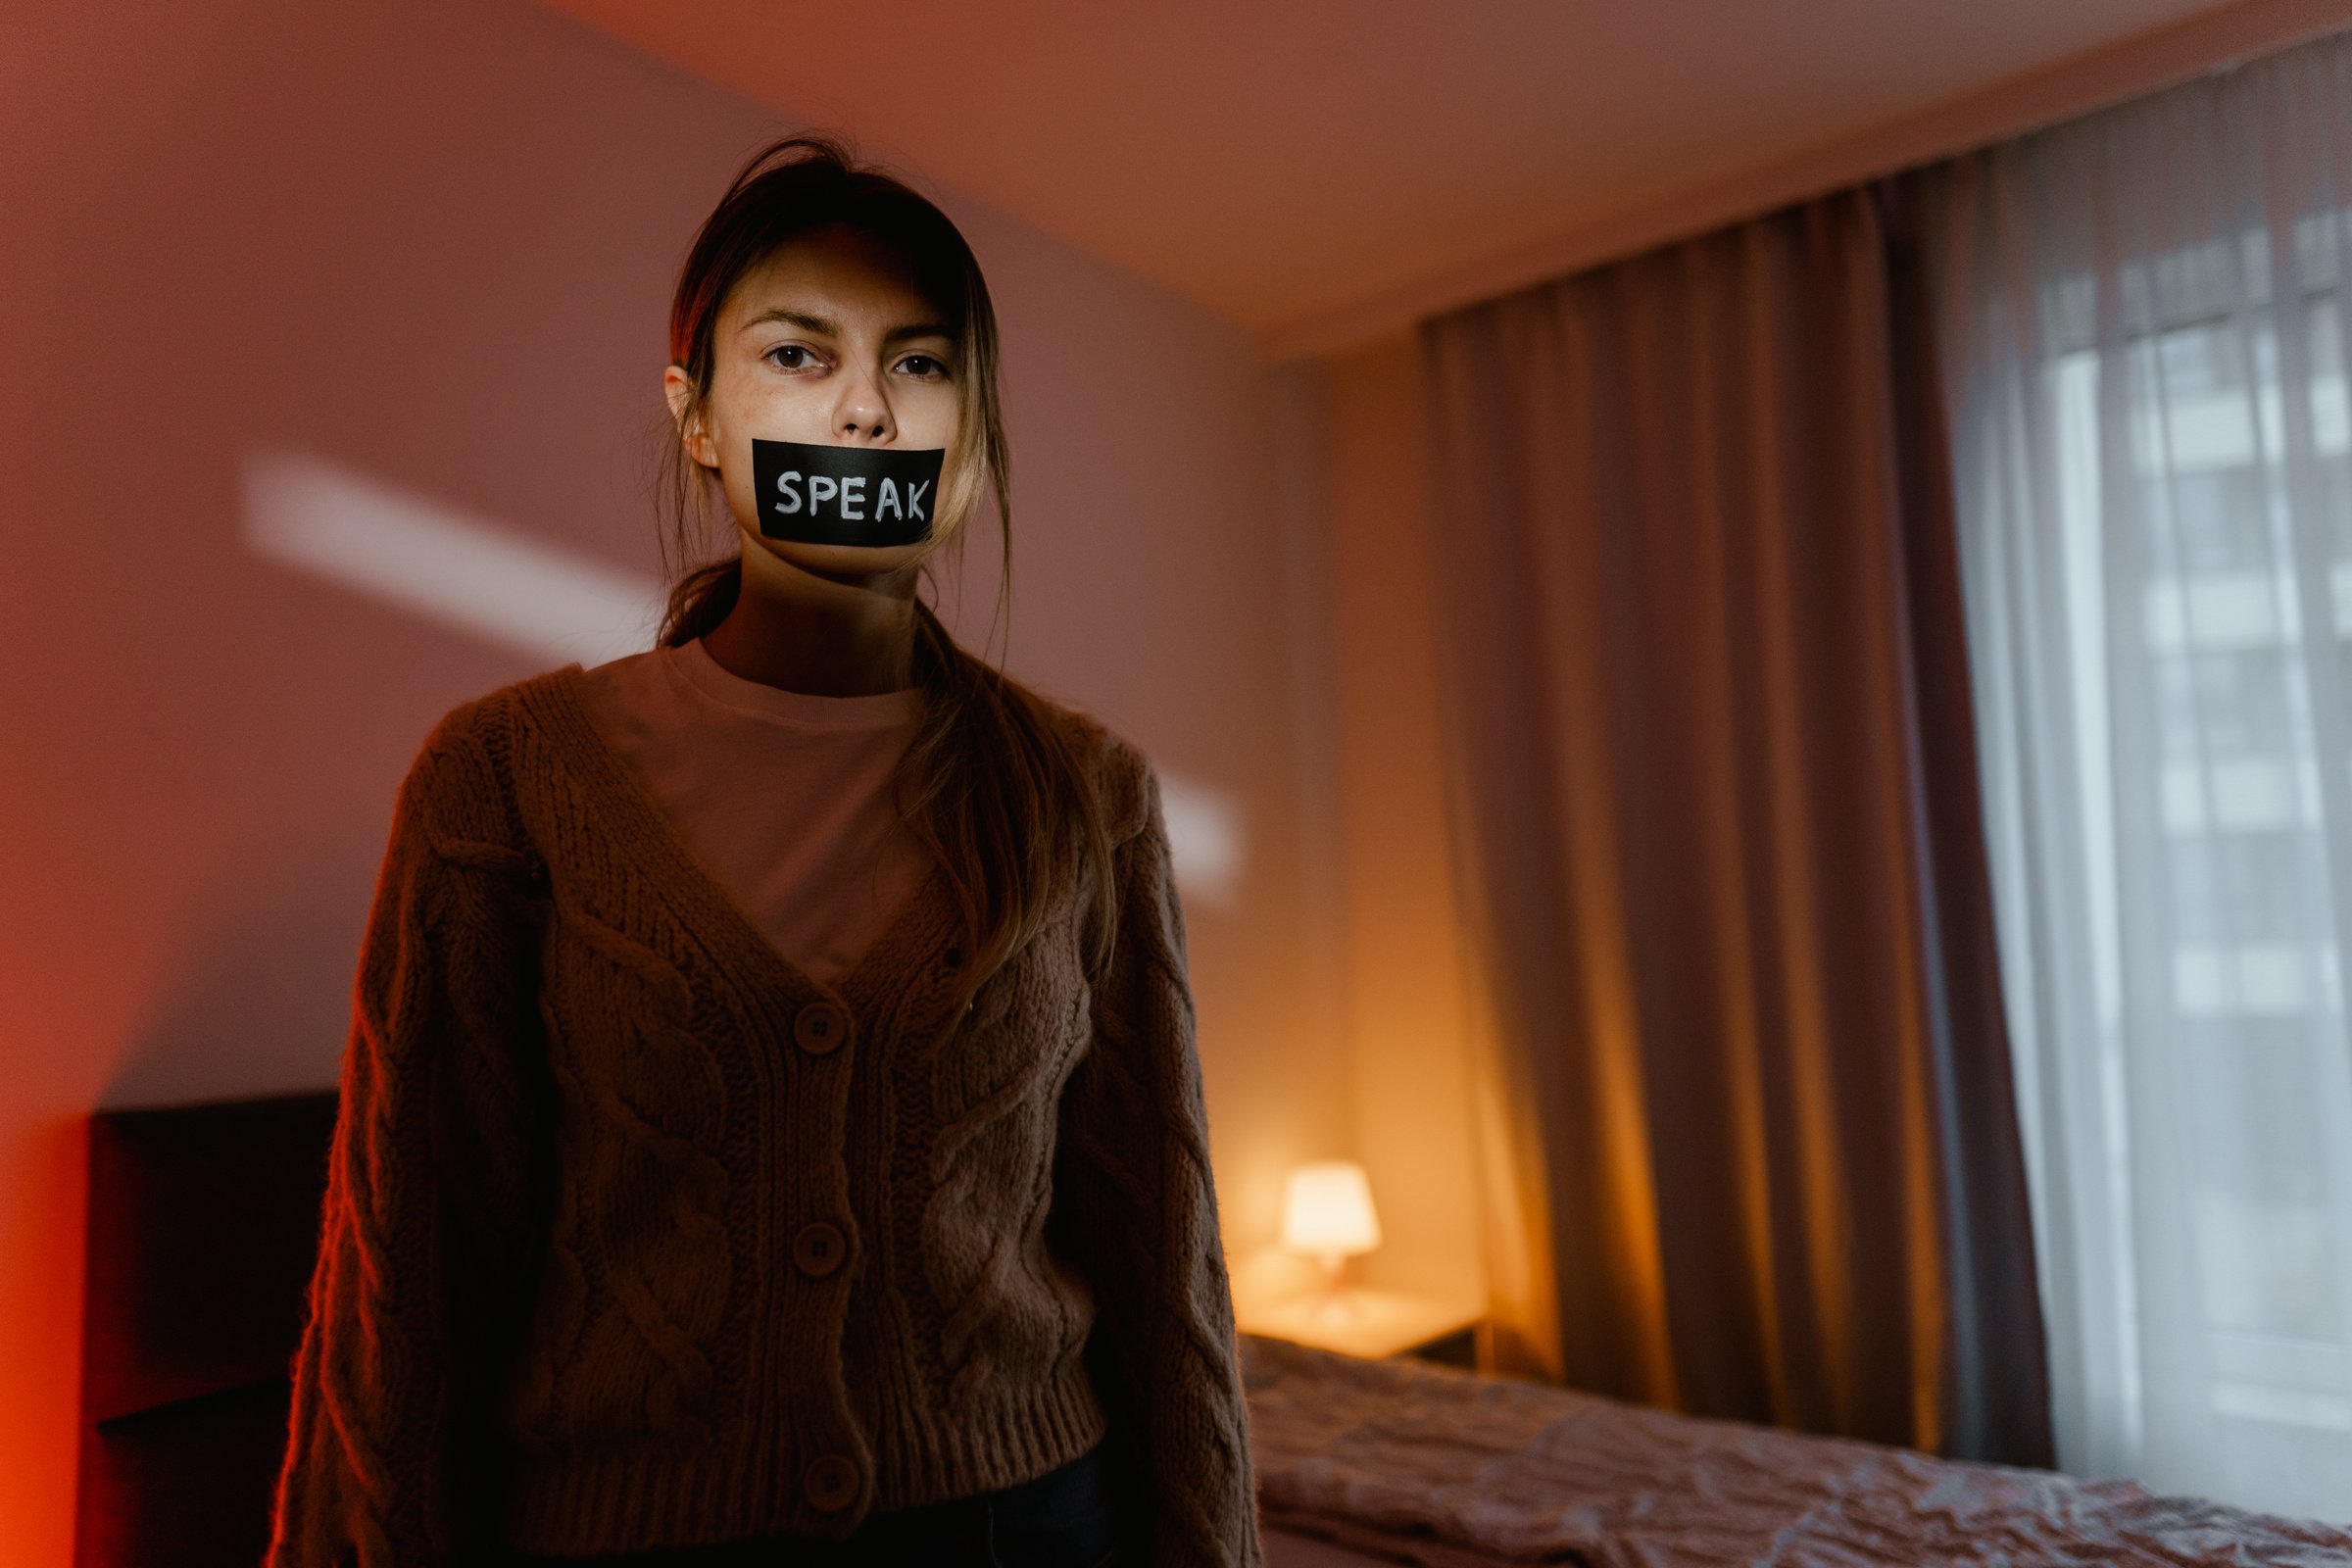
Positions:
{"x": 1327, "y": 1214}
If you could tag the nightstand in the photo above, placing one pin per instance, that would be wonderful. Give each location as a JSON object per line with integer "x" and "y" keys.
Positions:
{"x": 1377, "y": 1324}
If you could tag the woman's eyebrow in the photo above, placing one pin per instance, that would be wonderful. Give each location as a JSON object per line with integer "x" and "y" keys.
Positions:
{"x": 831, "y": 328}
{"x": 792, "y": 318}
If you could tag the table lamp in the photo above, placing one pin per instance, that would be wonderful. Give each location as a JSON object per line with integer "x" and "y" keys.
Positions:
{"x": 1327, "y": 1215}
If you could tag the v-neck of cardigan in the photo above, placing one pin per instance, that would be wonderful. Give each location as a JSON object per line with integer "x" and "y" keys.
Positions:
{"x": 891, "y": 956}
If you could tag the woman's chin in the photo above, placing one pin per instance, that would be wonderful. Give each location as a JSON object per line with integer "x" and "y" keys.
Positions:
{"x": 844, "y": 562}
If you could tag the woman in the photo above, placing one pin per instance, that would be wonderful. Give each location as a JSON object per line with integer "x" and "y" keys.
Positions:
{"x": 771, "y": 1129}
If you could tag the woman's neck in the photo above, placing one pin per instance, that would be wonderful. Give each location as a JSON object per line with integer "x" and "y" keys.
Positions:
{"x": 825, "y": 636}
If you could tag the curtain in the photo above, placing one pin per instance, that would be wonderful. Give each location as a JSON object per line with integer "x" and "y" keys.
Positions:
{"x": 2144, "y": 332}
{"x": 1750, "y": 1139}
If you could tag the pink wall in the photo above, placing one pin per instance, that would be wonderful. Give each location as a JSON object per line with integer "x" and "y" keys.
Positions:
{"x": 433, "y": 243}
{"x": 1412, "y": 1008}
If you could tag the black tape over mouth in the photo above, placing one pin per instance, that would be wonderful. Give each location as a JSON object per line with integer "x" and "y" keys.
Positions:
{"x": 829, "y": 495}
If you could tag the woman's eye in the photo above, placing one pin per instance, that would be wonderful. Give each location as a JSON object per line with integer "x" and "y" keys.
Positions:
{"x": 923, "y": 365}
{"x": 789, "y": 357}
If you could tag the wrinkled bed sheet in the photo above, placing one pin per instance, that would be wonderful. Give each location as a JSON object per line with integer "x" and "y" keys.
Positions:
{"x": 1420, "y": 1463}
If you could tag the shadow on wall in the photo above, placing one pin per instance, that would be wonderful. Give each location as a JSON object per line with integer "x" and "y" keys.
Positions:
{"x": 264, "y": 977}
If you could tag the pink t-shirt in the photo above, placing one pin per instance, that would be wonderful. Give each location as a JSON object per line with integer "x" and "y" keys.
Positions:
{"x": 784, "y": 797}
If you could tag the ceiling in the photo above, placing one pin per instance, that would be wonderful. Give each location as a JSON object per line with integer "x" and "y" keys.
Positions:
{"x": 1291, "y": 166}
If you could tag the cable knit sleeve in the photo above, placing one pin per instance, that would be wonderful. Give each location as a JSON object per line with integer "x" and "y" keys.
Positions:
{"x": 435, "y": 1182}
{"x": 1136, "y": 1203}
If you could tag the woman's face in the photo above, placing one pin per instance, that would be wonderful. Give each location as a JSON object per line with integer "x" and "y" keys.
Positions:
{"x": 828, "y": 341}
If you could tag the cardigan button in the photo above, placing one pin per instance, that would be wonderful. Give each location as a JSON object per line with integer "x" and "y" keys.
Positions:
{"x": 818, "y": 1248}
{"x": 831, "y": 1482}
{"x": 821, "y": 1027}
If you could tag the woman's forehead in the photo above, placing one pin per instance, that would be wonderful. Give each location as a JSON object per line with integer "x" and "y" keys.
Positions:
{"x": 832, "y": 271}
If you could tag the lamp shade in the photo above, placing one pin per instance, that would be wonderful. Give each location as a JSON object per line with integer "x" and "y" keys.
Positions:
{"x": 1327, "y": 1210}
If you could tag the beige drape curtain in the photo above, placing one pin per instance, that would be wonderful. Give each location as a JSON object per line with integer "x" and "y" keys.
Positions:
{"x": 1750, "y": 1144}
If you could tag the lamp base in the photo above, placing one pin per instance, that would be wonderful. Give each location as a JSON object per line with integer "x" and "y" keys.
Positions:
{"x": 1335, "y": 1305}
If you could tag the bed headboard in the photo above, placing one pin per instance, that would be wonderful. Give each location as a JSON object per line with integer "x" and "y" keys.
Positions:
{"x": 203, "y": 1226}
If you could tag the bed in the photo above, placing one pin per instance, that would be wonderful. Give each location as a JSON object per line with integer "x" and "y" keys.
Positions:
{"x": 202, "y": 1230}
{"x": 1404, "y": 1460}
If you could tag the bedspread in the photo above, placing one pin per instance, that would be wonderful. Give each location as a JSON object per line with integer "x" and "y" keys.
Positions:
{"x": 1430, "y": 1464}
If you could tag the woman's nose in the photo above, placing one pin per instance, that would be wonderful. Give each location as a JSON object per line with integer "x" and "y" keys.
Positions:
{"x": 864, "y": 412}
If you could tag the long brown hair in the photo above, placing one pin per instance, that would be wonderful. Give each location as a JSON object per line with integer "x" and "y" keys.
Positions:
{"x": 992, "y": 782}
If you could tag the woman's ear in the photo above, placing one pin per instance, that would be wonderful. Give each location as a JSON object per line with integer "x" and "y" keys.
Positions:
{"x": 678, "y": 388}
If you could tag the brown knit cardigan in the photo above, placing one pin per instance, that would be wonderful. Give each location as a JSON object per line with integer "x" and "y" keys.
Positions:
{"x": 636, "y": 1236}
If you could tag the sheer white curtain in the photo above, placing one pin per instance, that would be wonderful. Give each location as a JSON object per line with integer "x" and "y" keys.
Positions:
{"x": 2145, "y": 339}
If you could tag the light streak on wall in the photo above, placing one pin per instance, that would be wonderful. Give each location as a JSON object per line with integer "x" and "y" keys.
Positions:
{"x": 471, "y": 573}
{"x": 1204, "y": 839}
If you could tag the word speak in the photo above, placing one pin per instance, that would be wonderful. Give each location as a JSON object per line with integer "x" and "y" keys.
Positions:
{"x": 847, "y": 496}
